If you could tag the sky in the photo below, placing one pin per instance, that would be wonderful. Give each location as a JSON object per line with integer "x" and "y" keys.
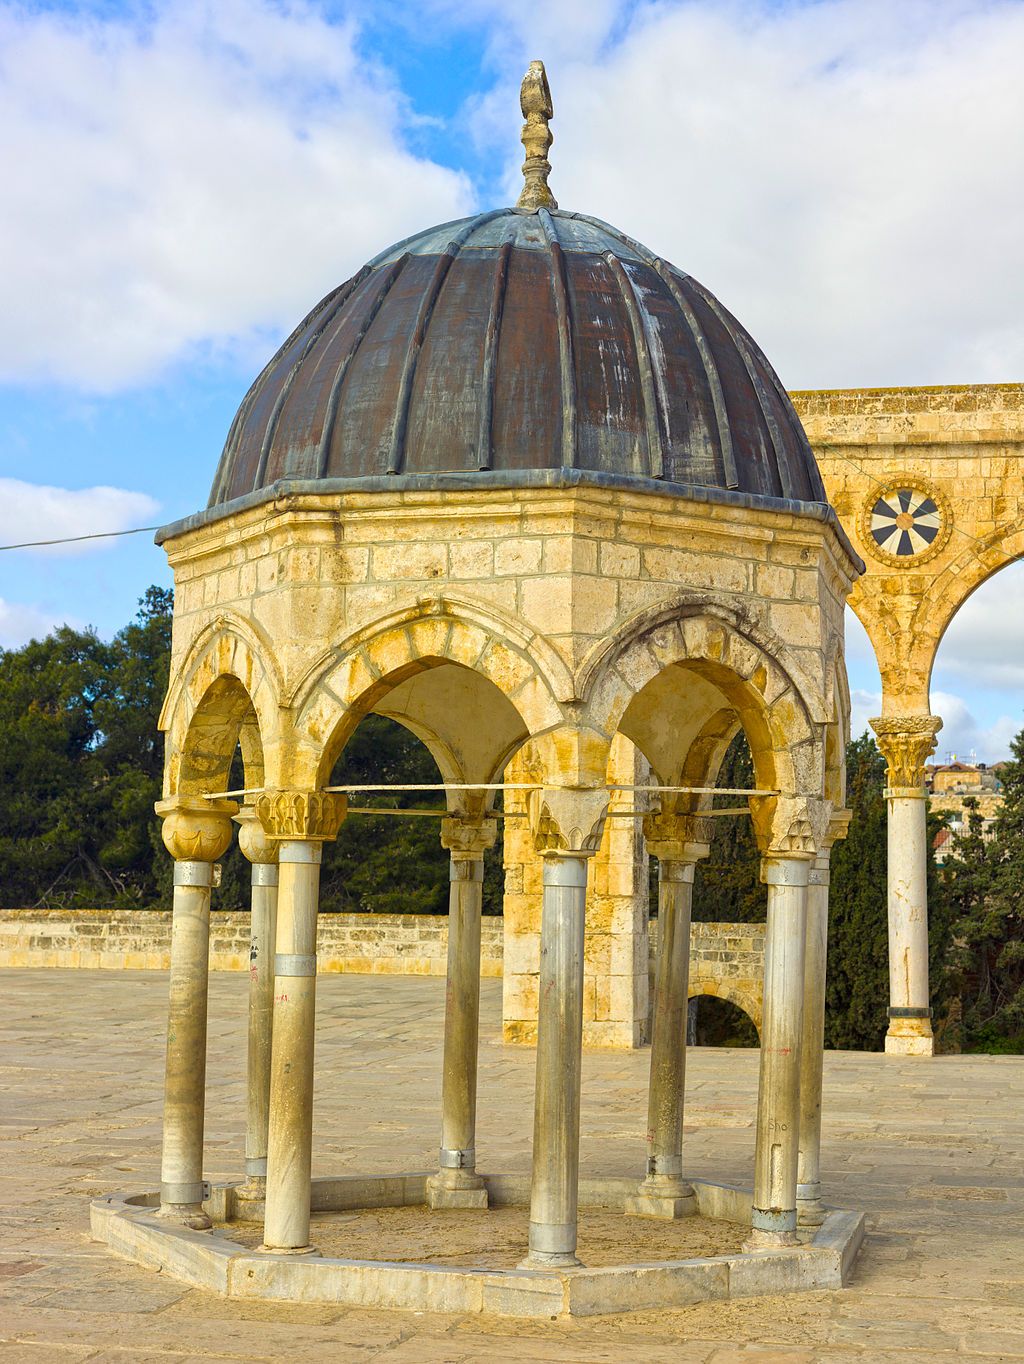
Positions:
{"x": 183, "y": 181}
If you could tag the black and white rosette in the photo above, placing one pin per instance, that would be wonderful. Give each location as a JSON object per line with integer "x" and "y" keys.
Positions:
{"x": 905, "y": 523}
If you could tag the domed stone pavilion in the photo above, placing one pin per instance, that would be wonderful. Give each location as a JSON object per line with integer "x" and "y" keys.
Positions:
{"x": 528, "y": 489}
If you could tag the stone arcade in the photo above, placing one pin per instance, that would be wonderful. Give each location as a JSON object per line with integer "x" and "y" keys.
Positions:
{"x": 526, "y": 488}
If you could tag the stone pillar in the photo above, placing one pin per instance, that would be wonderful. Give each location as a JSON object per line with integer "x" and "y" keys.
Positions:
{"x": 906, "y": 743}
{"x": 567, "y": 827}
{"x": 678, "y": 844}
{"x": 195, "y": 832}
{"x": 457, "y": 1184}
{"x": 773, "y": 1219}
{"x": 615, "y": 972}
{"x": 810, "y": 1209}
{"x": 300, "y": 822}
{"x": 262, "y": 854}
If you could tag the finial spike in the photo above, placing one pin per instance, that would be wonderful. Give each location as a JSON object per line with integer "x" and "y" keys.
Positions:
{"x": 535, "y": 102}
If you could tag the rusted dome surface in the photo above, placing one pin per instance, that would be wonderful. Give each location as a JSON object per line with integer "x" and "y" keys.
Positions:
{"x": 520, "y": 341}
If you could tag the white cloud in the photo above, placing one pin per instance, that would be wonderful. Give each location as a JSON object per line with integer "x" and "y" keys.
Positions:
{"x": 19, "y": 623}
{"x": 984, "y": 644}
{"x": 962, "y": 734}
{"x": 34, "y": 511}
{"x": 863, "y": 706}
{"x": 848, "y": 176}
{"x": 187, "y": 176}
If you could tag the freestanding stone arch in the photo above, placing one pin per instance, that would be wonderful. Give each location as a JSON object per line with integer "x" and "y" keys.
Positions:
{"x": 929, "y": 485}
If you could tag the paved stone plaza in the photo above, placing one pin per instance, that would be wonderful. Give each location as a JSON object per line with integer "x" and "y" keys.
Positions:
{"x": 931, "y": 1149}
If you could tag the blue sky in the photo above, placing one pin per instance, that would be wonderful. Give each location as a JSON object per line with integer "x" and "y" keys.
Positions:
{"x": 189, "y": 178}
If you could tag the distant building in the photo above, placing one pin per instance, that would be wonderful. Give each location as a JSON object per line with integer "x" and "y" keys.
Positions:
{"x": 948, "y": 785}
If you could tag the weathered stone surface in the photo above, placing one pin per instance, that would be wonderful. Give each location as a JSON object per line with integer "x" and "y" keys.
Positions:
{"x": 73, "y": 1129}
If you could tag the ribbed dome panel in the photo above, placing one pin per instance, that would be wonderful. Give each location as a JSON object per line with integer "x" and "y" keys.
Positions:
{"x": 520, "y": 341}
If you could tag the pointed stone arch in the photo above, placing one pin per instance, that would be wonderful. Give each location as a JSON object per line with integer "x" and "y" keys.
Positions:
{"x": 224, "y": 693}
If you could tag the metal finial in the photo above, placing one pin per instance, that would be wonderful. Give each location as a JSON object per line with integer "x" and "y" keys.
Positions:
{"x": 535, "y": 102}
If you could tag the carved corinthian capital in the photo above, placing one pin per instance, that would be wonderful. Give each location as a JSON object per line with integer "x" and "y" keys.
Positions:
{"x": 194, "y": 829}
{"x": 790, "y": 826}
{"x": 906, "y": 742}
{"x": 466, "y": 838}
{"x": 313, "y": 815}
{"x": 672, "y": 837}
{"x": 567, "y": 821}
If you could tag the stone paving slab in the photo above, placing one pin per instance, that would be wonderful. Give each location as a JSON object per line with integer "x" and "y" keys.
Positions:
{"x": 932, "y": 1149}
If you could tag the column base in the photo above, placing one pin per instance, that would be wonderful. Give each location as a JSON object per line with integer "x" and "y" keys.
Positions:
{"x": 188, "y": 1215}
{"x": 254, "y": 1190}
{"x": 539, "y": 1259}
{"x": 456, "y": 1189}
{"x": 810, "y": 1210}
{"x": 769, "y": 1240}
{"x": 287, "y": 1250}
{"x": 662, "y": 1196}
{"x": 912, "y": 1044}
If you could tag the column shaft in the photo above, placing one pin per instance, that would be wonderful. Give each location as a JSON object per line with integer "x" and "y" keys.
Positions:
{"x": 263, "y": 939}
{"x": 810, "y": 1209}
{"x": 181, "y": 1167}
{"x": 664, "y": 1192}
{"x": 910, "y": 1029}
{"x": 778, "y": 1098}
{"x": 290, "y": 1143}
{"x": 457, "y": 1184}
{"x": 556, "y": 1130}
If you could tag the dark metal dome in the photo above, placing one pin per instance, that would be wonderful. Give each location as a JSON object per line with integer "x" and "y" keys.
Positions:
{"x": 520, "y": 341}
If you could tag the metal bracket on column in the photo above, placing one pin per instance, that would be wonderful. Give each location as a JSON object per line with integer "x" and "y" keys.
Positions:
{"x": 294, "y": 964}
{"x": 196, "y": 1191}
{"x": 256, "y": 1167}
{"x": 193, "y": 874}
{"x": 457, "y": 1160}
{"x": 901, "y": 1011}
{"x": 773, "y": 1219}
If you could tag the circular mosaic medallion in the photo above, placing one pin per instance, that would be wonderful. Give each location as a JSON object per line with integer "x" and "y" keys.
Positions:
{"x": 905, "y": 524}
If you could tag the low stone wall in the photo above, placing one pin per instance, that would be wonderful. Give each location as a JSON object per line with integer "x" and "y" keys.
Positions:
{"x": 136, "y": 940}
{"x": 726, "y": 960}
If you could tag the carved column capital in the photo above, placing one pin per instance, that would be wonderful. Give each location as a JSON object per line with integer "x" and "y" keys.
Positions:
{"x": 253, "y": 839}
{"x": 196, "y": 829}
{"x": 672, "y": 837}
{"x": 566, "y": 821}
{"x": 790, "y": 826}
{"x": 906, "y": 743}
{"x": 314, "y": 816}
{"x": 467, "y": 838}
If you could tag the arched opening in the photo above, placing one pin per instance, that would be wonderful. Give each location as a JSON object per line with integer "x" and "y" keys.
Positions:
{"x": 393, "y": 864}
{"x": 716, "y": 1021}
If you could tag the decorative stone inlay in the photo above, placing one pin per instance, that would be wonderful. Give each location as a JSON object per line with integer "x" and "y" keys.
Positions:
{"x": 906, "y": 742}
{"x": 907, "y": 522}
{"x": 313, "y": 815}
{"x": 195, "y": 829}
{"x": 567, "y": 821}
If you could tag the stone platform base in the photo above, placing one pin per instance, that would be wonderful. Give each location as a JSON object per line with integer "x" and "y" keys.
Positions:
{"x": 903, "y": 1045}
{"x": 211, "y": 1260}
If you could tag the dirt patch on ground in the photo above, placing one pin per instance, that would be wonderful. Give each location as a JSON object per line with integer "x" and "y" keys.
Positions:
{"x": 496, "y": 1238}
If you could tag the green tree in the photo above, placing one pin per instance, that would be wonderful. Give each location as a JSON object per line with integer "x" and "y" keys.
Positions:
{"x": 857, "y": 990}
{"x": 727, "y": 883}
{"x": 983, "y": 884}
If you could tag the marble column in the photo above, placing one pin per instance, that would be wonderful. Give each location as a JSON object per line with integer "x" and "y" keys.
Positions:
{"x": 261, "y": 852}
{"x": 457, "y": 1184}
{"x": 300, "y": 822}
{"x": 906, "y": 743}
{"x": 195, "y": 832}
{"x": 810, "y": 1209}
{"x": 678, "y": 844}
{"x": 567, "y": 827}
{"x": 774, "y": 1218}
